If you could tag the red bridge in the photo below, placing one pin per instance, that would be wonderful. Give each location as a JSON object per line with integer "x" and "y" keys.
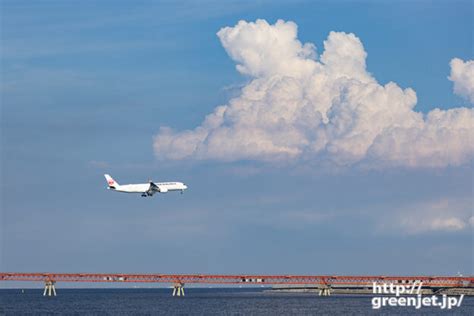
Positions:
{"x": 324, "y": 282}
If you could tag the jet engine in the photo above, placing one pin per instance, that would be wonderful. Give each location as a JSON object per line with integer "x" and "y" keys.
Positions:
{"x": 163, "y": 190}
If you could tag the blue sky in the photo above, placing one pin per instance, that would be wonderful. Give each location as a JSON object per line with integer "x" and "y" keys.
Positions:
{"x": 87, "y": 85}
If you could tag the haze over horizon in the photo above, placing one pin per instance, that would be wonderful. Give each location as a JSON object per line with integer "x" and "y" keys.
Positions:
{"x": 314, "y": 137}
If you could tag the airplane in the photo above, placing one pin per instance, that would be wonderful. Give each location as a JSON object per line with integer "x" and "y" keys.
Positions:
{"x": 146, "y": 189}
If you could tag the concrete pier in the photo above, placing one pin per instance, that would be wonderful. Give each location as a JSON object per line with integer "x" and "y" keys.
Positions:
{"x": 49, "y": 288}
{"x": 325, "y": 291}
{"x": 178, "y": 289}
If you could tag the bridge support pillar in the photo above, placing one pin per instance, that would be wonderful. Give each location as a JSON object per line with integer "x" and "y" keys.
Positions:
{"x": 178, "y": 289}
{"x": 49, "y": 288}
{"x": 325, "y": 291}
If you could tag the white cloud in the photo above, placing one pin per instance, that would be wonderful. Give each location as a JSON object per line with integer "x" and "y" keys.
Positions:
{"x": 446, "y": 214}
{"x": 462, "y": 74}
{"x": 297, "y": 107}
{"x": 433, "y": 224}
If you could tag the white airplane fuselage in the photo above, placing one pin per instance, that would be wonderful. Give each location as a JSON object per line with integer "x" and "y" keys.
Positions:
{"x": 146, "y": 189}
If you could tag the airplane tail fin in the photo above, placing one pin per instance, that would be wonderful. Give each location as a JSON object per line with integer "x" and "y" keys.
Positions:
{"x": 110, "y": 181}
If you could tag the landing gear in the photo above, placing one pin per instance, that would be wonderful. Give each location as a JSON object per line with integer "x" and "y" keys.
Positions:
{"x": 182, "y": 191}
{"x": 144, "y": 195}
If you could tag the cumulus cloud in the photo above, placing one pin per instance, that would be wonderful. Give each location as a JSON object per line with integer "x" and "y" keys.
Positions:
{"x": 462, "y": 74}
{"x": 448, "y": 215}
{"x": 298, "y": 106}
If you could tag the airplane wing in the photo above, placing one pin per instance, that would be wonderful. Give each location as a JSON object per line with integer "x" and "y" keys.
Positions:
{"x": 156, "y": 188}
{"x": 153, "y": 188}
